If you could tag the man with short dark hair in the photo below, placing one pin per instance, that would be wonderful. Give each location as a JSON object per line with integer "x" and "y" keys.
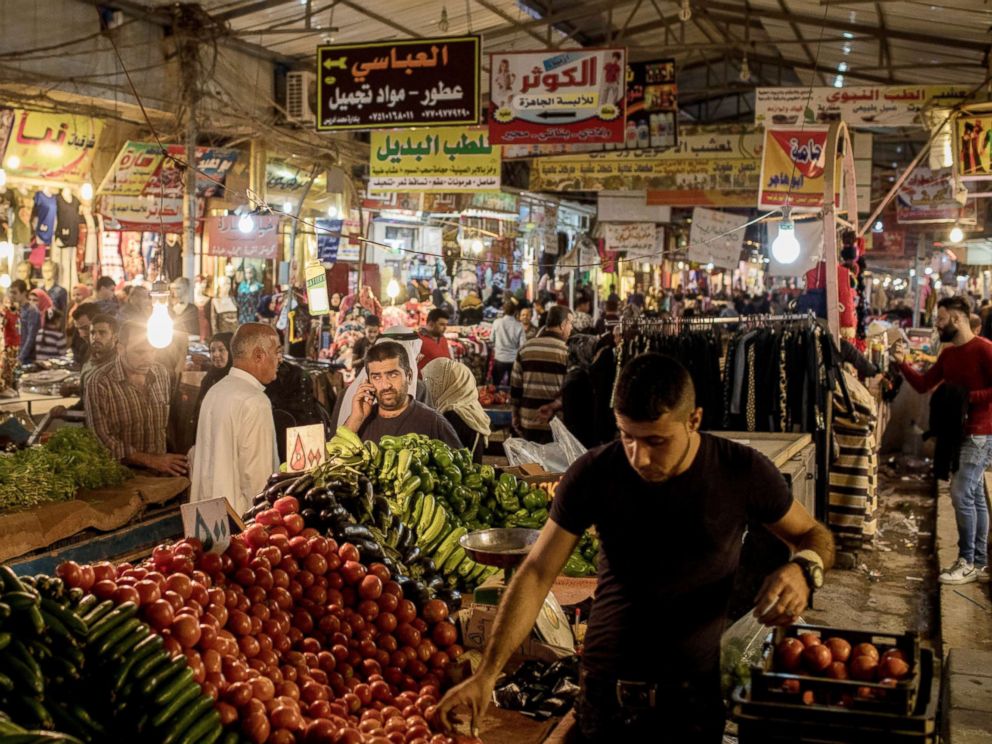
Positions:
{"x": 82, "y": 322}
{"x": 967, "y": 363}
{"x": 383, "y": 405}
{"x": 29, "y": 320}
{"x": 372, "y": 330}
{"x": 235, "y": 435}
{"x": 537, "y": 377}
{"x": 127, "y": 405}
{"x": 433, "y": 344}
{"x": 686, "y": 496}
{"x": 102, "y": 334}
{"x": 105, "y": 296}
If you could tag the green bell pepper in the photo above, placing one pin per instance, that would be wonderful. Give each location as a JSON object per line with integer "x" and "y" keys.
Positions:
{"x": 508, "y": 481}
{"x": 473, "y": 481}
{"x": 442, "y": 458}
{"x": 540, "y": 516}
{"x": 508, "y": 501}
{"x": 488, "y": 473}
{"x": 453, "y": 474}
{"x": 534, "y": 500}
{"x": 576, "y": 566}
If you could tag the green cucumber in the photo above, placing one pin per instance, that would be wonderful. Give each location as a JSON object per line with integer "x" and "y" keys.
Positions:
{"x": 154, "y": 681}
{"x": 186, "y": 695}
{"x": 20, "y": 601}
{"x": 55, "y": 626}
{"x": 67, "y": 617}
{"x": 112, "y": 620}
{"x": 117, "y": 634}
{"x": 10, "y": 580}
{"x": 167, "y": 689}
{"x": 189, "y": 717}
{"x": 83, "y": 716}
{"x": 130, "y": 641}
{"x": 94, "y": 616}
{"x": 5, "y": 639}
{"x": 86, "y": 604}
{"x": 145, "y": 650}
{"x": 151, "y": 666}
{"x": 453, "y": 561}
{"x": 32, "y": 707}
{"x": 205, "y": 731}
{"x": 6, "y": 683}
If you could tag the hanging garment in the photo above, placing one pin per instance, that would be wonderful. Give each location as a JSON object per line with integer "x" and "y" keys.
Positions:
{"x": 67, "y": 220}
{"x": 46, "y": 213}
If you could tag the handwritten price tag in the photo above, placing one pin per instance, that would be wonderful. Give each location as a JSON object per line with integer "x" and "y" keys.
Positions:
{"x": 305, "y": 447}
{"x": 207, "y": 522}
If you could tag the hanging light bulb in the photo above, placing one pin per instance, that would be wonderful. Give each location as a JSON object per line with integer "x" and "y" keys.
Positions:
{"x": 709, "y": 266}
{"x": 332, "y": 211}
{"x": 785, "y": 247}
{"x": 928, "y": 270}
{"x": 685, "y": 12}
{"x": 393, "y": 290}
{"x": 878, "y": 226}
{"x": 86, "y": 191}
{"x": 160, "y": 324}
{"x": 680, "y": 265}
{"x": 5, "y": 281}
{"x": 912, "y": 273}
{"x": 956, "y": 235}
{"x": 13, "y": 162}
{"x": 246, "y": 224}
{"x": 745, "y": 69}
{"x": 443, "y": 23}
{"x": 287, "y": 207}
{"x": 477, "y": 246}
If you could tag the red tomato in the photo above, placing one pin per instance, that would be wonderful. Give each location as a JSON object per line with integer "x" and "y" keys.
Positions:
{"x": 370, "y": 587}
{"x": 444, "y": 634}
{"x": 159, "y": 614}
{"x": 435, "y": 611}
{"x": 348, "y": 552}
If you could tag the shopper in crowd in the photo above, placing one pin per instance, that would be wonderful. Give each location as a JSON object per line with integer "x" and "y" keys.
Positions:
{"x": 102, "y": 350}
{"x": 433, "y": 343}
{"x": 373, "y": 328}
{"x": 690, "y": 496}
{"x": 105, "y": 296}
{"x": 967, "y": 363}
{"x": 364, "y": 301}
{"x": 137, "y": 308}
{"x": 127, "y": 405}
{"x": 636, "y": 297}
{"x": 235, "y": 436}
{"x": 10, "y": 342}
{"x": 526, "y": 316}
{"x": 456, "y": 397}
{"x": 51, "y": 338}
{"x": 581, "y": 319}
{"x": 57, "y": 293}
{"x": 509, "y": 336}
{"x": 81, "y": 295}
{"x": 220, "y": 364}
{"x": 29, "y": 320}
{"x": 382, "y": 405}
{"x": 470, "y": 309}
{"x": 538, "y": 374}
{"x": 185, "y": 316}
{"x": 82, "y": 322}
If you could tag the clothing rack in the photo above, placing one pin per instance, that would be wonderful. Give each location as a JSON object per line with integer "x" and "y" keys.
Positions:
{"x": 634, "y": 323}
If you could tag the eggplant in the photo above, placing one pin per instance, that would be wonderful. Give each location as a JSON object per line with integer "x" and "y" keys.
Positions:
{"x": 282, "y": 487}
{"x": 326, "y": 516}
{"x": 407, "y": 541}
{"x": 436, "y": 583}
{"x": 260, "y": 498}
{"x": 304, "y": 484}
{"x": 412, "y": 555}
{"x": 314, "y": 496}
{"x": 310, "y": 517}
{"x": 357, "y": 532}
{"x": 416, "y": 592}
{"x": 429, "y": 567}
{"x": 370, "y": 551}
{"x": 452, "y": 598}
{"x": 391, "y": 565}
{"x": 280, "y": 477}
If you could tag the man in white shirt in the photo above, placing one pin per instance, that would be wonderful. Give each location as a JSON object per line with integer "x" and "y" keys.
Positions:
{"x": 508, "y": 338}
{"x": 236, "y": 438}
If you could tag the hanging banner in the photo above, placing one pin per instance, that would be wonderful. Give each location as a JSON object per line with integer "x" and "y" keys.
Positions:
{"x": 858, "y": 106}
{"x": 927, "y": 196}
{"x": 53, "y": 146}
{"x": 436, "y": 159}
{"x": 973, "y": 147}
{"x": 711, "y": 166}
{"x": 716, "y": 237}
{"x": 328, "y": 240}
{"x": 144, "y": 190}
{"x": 420, "y": 82}
{"x": 639, "y": 240}
{"x": 629, "y": 206}
{"x": 226, "y": 239}
{"x": 557, "y": 96}
{"x": 792, "y": 168}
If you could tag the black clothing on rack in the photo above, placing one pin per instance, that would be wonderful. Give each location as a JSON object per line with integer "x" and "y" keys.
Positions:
{"x": 948, "y": 414}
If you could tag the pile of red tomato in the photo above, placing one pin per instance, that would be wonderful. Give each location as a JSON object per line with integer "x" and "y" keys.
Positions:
{"x": 291, "y": 634}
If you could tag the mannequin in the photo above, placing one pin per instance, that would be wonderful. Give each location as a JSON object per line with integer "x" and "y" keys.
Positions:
{"x": 24, "y": 271}
{"x": 50, "y": 274}
{"x": 66, "y": 234}
{"x": 249, "y": 293}
{"x": 223, "y": 309}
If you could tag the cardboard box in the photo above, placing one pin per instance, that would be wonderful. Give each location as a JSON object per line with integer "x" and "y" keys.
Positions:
{"x": 536, "y": 475}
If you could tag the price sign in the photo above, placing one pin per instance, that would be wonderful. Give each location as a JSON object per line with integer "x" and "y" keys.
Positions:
{"x": 305, "y": 447}
{"x": 207, "y": 522}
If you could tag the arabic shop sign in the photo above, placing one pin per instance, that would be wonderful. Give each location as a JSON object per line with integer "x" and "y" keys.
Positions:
{"x": 435, "y": 159}
{"x": 711, "y": 166}
{"x": 553, "y": 97}
{"x": 792, "y": 169}
{"x": 973, "y": 147}
{"x": 641, "y": 241}
{"x": 858, "y": 106}
{"x": 927, "y": 196}
{"x": 226, "y": 239}
{"x": 423, "y": 82}
{"x": 56, "y": 146}
{"x": 716, "y": 237}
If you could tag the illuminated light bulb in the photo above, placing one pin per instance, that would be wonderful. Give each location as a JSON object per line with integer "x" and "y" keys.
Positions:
{"x": 928, "y": 271}
{"x": 938, "y": 284}
{"x": 5, "y": 281}
{"x": 956, "y": 235}
{"x": 160, "y": 326}
{"x": 912, "y": 273}
{"x": 476, "y": 246}
{"x": 332, "y": 211}
{"x": 709, "y": 266}
{"x": 287, "y": 207}
{"x": 393, "y": 289}
{"x": 878, "y": 226}
{"x": 785, "y": 247}
{"x": 680, "y": 265}
{"x": 13, "y": 162}
{"x": 86, "y": 191}
{"x": 685, "y": 12}
{"x": 246, "y": 224}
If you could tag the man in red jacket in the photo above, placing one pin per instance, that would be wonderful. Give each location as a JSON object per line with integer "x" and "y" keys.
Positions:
{"x": 433, "y": 343}
{"x": 967, "y": 363}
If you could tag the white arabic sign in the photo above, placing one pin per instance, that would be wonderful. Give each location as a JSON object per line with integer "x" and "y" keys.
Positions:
{"x": 716, "y": 237}
{"x": 858, "y": 106}
{"x": 642, "y": 241}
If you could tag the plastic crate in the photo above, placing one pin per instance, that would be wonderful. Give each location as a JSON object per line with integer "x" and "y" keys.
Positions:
{"x": 772, "y": 686}
{"x": 767, "y": 722}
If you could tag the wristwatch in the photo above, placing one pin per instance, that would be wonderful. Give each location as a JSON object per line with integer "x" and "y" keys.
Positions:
{"x": 812, "y": 567}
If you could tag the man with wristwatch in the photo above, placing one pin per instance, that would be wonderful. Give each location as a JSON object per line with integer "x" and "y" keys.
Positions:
{"x": 670, "y": 505}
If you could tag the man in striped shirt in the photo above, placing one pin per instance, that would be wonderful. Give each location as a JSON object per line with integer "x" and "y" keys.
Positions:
{"x": 538, "y": 374}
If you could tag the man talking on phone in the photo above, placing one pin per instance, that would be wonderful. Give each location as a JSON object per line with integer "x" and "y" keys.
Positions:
{"x": 383, "y": 406}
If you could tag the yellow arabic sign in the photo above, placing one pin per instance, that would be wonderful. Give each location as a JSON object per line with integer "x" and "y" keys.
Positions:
{"x": 439, "y": 159}
{"x": 711, "y": 166}
{"x": 54, "y": 146}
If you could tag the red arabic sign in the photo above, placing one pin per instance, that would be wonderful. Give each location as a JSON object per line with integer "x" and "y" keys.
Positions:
{"x": 226, "y": 239}
{"x": 552, "y": 97}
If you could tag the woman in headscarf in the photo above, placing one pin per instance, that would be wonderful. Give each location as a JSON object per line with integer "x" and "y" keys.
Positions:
{"x": 220, "y": 365}
{"x": 456, "y": 397}
{"x": 51, "y": 338}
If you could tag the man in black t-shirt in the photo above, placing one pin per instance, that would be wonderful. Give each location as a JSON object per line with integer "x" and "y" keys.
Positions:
{"x": 670, "y": 505}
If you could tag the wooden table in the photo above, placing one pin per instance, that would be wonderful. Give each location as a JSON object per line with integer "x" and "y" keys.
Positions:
{"x": 28, "y": 400}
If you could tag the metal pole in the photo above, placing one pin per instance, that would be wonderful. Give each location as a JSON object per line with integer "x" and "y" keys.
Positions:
{"x": 189, "y": 204}
{"x": 293, "y": 264}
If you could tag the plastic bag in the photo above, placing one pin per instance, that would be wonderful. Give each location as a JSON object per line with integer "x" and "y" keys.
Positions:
{"x": 740, "y": 646}
{"x": 554, "y": 457}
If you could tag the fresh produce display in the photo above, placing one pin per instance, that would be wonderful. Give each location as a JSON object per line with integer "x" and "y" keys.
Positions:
{"x": 287, "y": 637}
{"x": 489, "y": 395}
{"x": 437, "y": 493}
{"x": 71, "y": 459}
{"x": 864, "y": 672}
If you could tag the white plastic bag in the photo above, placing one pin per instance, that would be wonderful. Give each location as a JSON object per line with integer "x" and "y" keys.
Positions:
{"x": 740, "y": 647}
{"x": 554, "y": 457}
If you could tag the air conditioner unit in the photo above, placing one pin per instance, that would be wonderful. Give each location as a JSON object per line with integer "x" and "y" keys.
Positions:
{"x": 301, "y": 97}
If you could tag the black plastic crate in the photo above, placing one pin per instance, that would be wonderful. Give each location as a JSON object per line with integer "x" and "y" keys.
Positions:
{"x": 779, "y": 687}
{"x": 767, "y": 722}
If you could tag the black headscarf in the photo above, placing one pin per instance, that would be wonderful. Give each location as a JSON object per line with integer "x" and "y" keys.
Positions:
{"x": 215, "y": 374}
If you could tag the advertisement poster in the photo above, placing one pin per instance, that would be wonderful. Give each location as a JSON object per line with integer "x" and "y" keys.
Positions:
{"x": 43, "y": 145}
{"x": 792, "y": 168}
{"x": 859, "y": 106}
{"x": 927, "y": 196}
{"x": 711, "y": 166}
{"x": 226, "y": 239}
{"x": 328, "y": 239}
{"x": 552, "y": 97}
{"x": 421, "y": 82}
{"x": 716, "y": 237}
{"x": 973, "y": 147}
{"x": 442, "y": 159}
